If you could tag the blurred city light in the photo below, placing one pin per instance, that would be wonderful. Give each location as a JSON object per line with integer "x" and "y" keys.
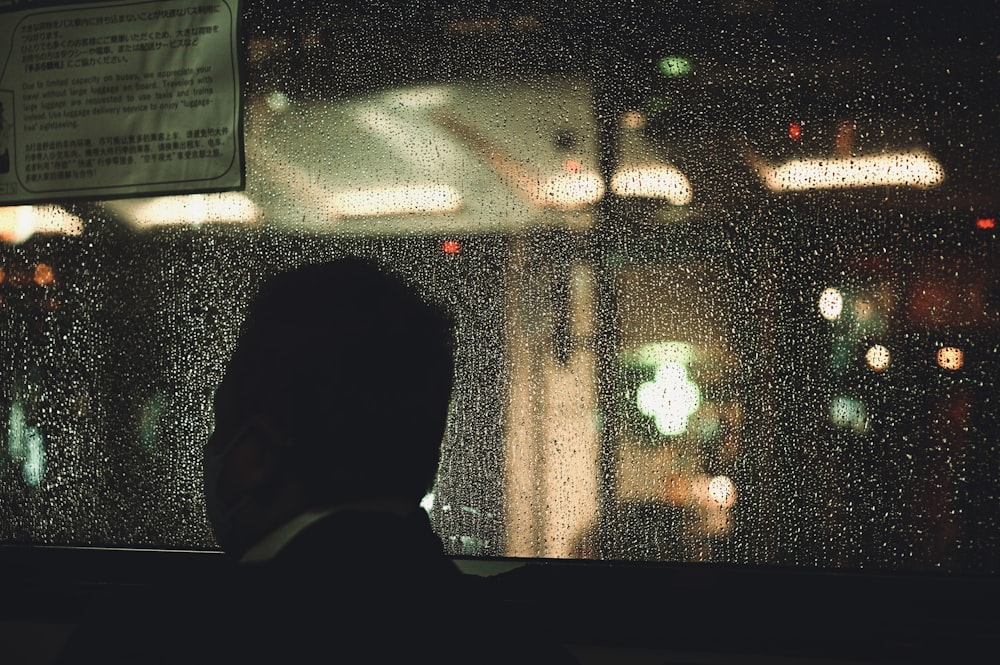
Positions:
{"x": 658, "y": 353}
{"x": 722, "y": 491}
{"x": 18, "y": 223}
{"x": 44, "y": 275}
{"x": 192, "y": 209}
{"x": 277, "y": 101}
{"x": 905, "y": 169}
{"x": 655, "y": 181}
{"x": 878, "y": 357}
{"x": 675, "y": 65}
{"x": 400, "y": 200}
{"x": 420, "y": 98}
{"x": 714, "y": 492}
{"x": 795, "y": 131}
{"x": 849, "y": 413}
{"x": 451, "y": 247}
{"x": 567, "y": 191}
{"x": 670, "y": 399}
{"x": 986, "y": 223}
{"x": 33, "y": 468}
{"x": 831, "y": 304}
{"x": 863, "y": 310}
{"x": 572, "y": 165}
{"x": 950, "y": 358}
{"x": 633, "y": 120}
{"x": 15, "y": 430}
{"x": 25, "y": 445}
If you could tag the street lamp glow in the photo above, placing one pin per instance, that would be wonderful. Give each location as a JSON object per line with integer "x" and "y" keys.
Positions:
{"x": 658, "y": 353}
{"x": 722, "y": 491}
{"x": 950, "y": 358}
{"x": 878, "y": 357}
{"x": 670, "y": 399}
{"x": 277, "y": 101}
{"x": 831, "y": 304}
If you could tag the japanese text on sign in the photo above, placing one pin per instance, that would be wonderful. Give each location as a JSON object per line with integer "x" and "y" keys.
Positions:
{"x": 105, "y": 101}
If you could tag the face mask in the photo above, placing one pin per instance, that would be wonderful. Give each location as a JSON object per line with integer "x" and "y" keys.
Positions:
{"x": 219, "y": 515}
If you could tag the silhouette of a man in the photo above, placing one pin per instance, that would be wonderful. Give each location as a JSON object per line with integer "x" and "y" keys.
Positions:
{"x": 328, "y": 427}
{"x": 334, "y": 402}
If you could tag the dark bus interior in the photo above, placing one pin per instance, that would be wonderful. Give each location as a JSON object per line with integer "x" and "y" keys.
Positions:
{"x": 728, "y": 313}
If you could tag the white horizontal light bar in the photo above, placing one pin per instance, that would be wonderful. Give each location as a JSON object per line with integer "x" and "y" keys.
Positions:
{"x": 904, "y": 169}
{"x": 402, "y": 200}
{"x": 654, "y": 181}
{"x": 569, "y": 190}
{"x": 18, "y": 223}
{"x": 190, "y": 209}
{"x": 419, "y": 98}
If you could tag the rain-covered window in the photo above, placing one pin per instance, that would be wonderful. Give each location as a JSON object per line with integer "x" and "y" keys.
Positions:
{"x": 724, "y": 276}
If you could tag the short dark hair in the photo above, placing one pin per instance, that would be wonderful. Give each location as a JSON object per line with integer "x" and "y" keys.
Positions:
{"x": 357, "y": 370}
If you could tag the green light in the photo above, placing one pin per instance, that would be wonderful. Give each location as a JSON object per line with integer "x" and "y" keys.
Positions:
{"x": 849, "y": 413}
{"x": 670, "y": 399}
{"x": 15, "y": 431}
{"x": 25, "y": 445}
{"x": 675, "y": 65}
{"x": 658, "y": 353}
{"x": 34, "y": 460}
{"x": 149, "y": 420}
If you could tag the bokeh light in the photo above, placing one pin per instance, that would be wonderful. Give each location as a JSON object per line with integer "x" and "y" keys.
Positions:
{"x": 878, "y": 357}
{"x": 950, "y": 358}
{"x": 722, "y": 491}
{"x": 831, "y": 304}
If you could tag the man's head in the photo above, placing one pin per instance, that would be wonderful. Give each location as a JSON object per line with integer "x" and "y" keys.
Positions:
{"x": 337, "y": 392}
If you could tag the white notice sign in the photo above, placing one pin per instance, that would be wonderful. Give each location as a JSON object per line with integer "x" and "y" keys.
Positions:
{"x": 109, "y": 99}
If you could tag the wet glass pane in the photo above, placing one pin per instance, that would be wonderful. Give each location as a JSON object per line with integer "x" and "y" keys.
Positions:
{"x": 724, "y": 278}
